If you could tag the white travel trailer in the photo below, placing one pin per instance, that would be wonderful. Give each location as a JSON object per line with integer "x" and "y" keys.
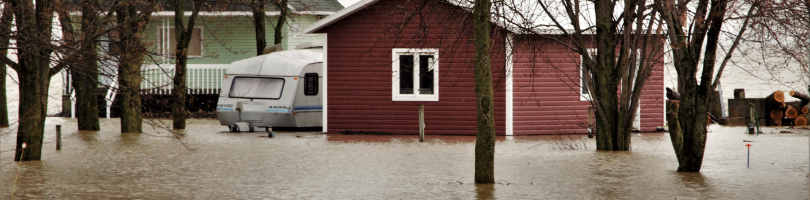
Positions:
{"x": 279, "y": 89}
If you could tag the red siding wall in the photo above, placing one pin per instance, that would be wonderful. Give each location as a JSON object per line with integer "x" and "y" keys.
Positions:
{"x": 546, "y": 90}
{"x": 359, "y": 69}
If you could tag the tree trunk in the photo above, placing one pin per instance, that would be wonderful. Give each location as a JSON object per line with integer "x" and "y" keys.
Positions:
{"x": 34, "y": 72}
{"x": 35, "y": 80}
{"x": 803, "y": 97}
{"x": 282, "y": 18}
{"x": 791, "y": 112}
{"x": 485, "y": 141}
{"x": 5, "y": 30}
{"x": 777, "y": 114}
{"x": 183, "y": 35}
{"x": 259, "y": 25}
{"x": 675, "y": 133}
{"x": 85, "y": 78}
{"x": 686, "y": 50}
{"x": 800, "y": 121}
{"x": 613, "y": 135}
{"x": 776, "y": 99}
{"x": 132, "y": 23}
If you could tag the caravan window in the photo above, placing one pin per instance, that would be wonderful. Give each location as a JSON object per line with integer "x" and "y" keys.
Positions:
{"x": 256, "y": 88}
{"x": 311, "y": 84}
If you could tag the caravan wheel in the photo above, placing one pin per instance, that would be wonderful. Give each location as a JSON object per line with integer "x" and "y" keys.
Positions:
{"x": 233, "y": 128}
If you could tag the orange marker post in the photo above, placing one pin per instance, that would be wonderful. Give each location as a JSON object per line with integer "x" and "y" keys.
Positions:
{"x": 749, "y": 155}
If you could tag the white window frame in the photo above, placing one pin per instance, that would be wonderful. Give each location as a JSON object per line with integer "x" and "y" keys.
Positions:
{"x": 165, "y": 43}
{"x": 395, "y": 95}
{"x": 295, "y": 30}
{"x": 583, "y": 96}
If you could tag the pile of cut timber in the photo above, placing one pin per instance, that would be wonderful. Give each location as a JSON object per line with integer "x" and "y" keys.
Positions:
{"x": 787, "y": 113}
{"x": 771, "y": 110}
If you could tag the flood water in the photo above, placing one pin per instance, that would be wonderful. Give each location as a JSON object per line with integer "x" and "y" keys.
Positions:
{"x": 299, "y": 165}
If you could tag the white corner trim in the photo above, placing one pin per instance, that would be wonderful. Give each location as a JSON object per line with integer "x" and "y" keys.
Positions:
{"x": 509, "y": 89}
{"x": 324, "y": 125}
{"x": 584, "y": 97}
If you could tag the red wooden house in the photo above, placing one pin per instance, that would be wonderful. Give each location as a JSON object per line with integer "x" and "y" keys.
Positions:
{"x": 384, "y": 58}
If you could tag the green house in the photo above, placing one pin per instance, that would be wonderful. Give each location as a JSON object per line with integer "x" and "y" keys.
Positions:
{"x": 223, "y": 33}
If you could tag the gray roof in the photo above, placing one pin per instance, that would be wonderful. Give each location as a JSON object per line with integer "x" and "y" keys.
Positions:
{"x": 243, "y": 5}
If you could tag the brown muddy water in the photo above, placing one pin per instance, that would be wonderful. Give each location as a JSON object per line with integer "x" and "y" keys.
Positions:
{"x": 301, "y": 165}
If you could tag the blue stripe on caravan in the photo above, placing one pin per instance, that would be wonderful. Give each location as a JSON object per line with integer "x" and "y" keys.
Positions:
{"x": 224, "y": 108}
{"x": 277, "y": 110}
{"x": 309, "y": 108}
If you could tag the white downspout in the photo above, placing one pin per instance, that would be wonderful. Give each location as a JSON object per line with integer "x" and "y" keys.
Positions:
{"x": 325, "y": 86}
{"x": 509, "y": 95}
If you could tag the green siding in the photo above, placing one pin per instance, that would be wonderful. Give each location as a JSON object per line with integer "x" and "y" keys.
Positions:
{"x": 225, "y": 39}
{"x": 231, "y": 38}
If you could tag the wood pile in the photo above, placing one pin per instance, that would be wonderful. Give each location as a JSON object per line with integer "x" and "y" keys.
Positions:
{"x": 783, "y": 113}
{"x": 772, "y": 110}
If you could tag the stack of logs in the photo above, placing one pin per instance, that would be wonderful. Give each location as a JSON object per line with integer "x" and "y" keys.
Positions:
{"x": 787, "y": 113}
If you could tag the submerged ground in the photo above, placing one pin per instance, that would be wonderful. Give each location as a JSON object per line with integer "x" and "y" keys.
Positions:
{"x": 299, "y": 165}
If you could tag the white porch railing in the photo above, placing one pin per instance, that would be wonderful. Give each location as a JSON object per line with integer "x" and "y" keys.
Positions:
{"x": 200, "y": 78}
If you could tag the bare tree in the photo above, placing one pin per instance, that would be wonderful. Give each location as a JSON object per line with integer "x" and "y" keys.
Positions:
{"x": 33, "y": 38}
{"x": 258, "y": 8}
{"x": 85, "y": 70}
{"x": 5, "y": 32}
{"x": 687, "y": 39}
{"x": 624, "y": 45}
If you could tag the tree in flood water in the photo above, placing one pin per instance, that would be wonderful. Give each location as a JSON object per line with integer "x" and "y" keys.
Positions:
{"x": 618, "y": 50}
{"x": 485, "y": 141}
{"x": 85, "y": 71}
{"x": 33, "y": 36}
{"x": 708, "y": 17}
{"x": 5, "y": 32}
{"x": 132, "y": 17}
{"x": 183, "y": 34}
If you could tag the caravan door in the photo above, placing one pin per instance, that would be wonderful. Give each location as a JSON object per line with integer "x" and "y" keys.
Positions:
{"x": 309, "y": 97}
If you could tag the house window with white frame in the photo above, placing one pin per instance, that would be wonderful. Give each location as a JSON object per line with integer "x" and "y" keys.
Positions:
{"x": 167, "y": 42}
{"x": 584, "y": 93}
{"x": 415, "y": 75}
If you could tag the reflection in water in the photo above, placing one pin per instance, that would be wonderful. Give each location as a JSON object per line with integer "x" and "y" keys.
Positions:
{"x": 130, "y": 139}
{"x": 307, "y": 165}
{"x": 484, "y": 191}
{"x": 695, "y": 181}
{"x": 88, "y": 137}
{"x": 31, "y": 174}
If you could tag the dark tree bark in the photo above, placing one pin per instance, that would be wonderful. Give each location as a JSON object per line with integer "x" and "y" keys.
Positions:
{"x": 259, "y": 24}
{"x": 183, "y": 35}
{"x": 85, "y": 71}
{"x": 34, "y": 48}
{"x": 131, "y": 23}
{"x": 675, "y": 133}
{"x": 626, "y": 51}
{"x": 485, "y": 141}
{"x": 5, "y": 30}
{"x": 686, "y": 50}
